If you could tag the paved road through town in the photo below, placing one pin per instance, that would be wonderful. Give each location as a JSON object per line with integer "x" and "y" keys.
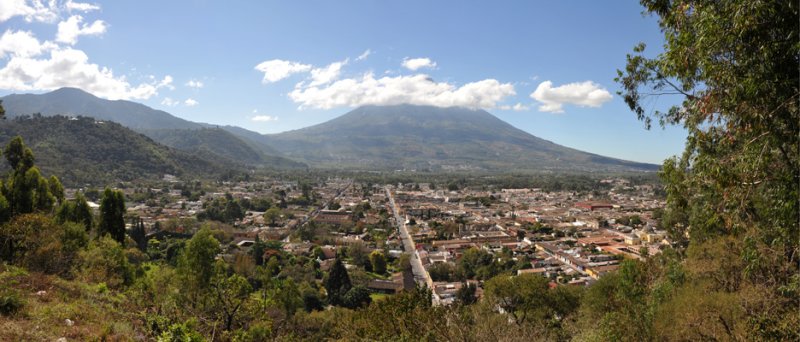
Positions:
{"x": 420, "y": 274}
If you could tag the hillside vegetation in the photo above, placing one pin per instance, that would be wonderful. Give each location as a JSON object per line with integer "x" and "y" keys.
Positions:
{"x": 223, "y": 144}
{"x": 83, "y": 150}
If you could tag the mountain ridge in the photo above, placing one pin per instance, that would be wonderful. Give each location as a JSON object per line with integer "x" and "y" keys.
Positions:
{"x": 366, "y": 138}
{"x": 159, "y": 125}
{"x": 427, "y": 137}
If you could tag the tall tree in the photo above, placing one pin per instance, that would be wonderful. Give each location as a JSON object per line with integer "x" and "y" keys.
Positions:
{"x": 196, "y": 264}
{"x": 338, "y": 283}
{"x": 25, "y": 189}
{"x": 732, "y": 196}
{"x": 378, "y": 262}
{"x": 112, "y": 211}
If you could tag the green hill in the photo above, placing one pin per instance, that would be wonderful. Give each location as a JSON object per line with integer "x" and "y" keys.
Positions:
{"x": 221, "y": 143}
{"x": 86, "y": 151}
{"x": 232, "y": 143}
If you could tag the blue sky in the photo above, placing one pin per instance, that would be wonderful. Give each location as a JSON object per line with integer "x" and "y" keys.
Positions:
{"x": 546, "y": 67}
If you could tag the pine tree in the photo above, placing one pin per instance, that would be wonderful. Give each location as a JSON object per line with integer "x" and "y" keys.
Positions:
{"x": 112, "y": 211}
{"x": 338, "y": 283}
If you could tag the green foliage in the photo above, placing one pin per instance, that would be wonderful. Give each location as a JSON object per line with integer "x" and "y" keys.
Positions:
{"x": 224, "y": 209}
{"x": 338, "y": 283}
{"x": 25, "y": 190}
{"x": 10, "y": 302}
{"x": 196, "y": 263}
{"x": 527, "y": 298}
{"x": 466, "y": 294}
{"x": 105, "y": 262}
{"x": 378, "y": 262}
{"x": 272, "y": 215}
{"x": 40, "y": 244}
{"x": 732, "y": 196}
{"x": 112, "y": 211}
{"x": 231, "y": 292}
{"x": 180, "y": 332}
{"x": 77, "y": 211}
{"x": 356, "y": 297}
{"x": 442, "y": 271}
{"x": 82, "y": 151}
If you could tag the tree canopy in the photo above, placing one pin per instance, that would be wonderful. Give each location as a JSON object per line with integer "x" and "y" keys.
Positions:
{"x": 732, "y": 196}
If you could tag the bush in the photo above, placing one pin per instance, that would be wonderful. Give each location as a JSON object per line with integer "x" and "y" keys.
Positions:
{"x": 10, "y": 303}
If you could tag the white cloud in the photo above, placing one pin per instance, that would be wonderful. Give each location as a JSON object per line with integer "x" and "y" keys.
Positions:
{"x": 519, "y": 107}
{"x": 364, "y": 55}
{"x": 22, "y": 44}
{"x": 276, "y": 69}
{"x": 31, "y": 10}
{"x": 47, "y": 11}
{"x": 264, "y": 118}
{"x": 169, "y": 102}
{"x": 416, "y": 89}
{"x": 584, "y": 94}
{"x": 35, "y": 65}
{"x": 70, "y": 29}
{"x": 81, "y": 6}
{"x": 415, "y": 64}
{"x": 191, "y": 102}
{"x": 67, "y": 67}
{"x": 194, "y": 84}
{"x": 320, "y": 76}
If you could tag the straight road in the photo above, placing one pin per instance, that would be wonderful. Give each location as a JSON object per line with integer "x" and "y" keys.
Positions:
{"x": 420, "y": 273}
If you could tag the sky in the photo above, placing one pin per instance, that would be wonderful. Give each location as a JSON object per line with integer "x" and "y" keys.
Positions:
{"x": 546, "y": 67}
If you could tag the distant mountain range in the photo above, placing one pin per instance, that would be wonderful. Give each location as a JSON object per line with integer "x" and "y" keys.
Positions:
{"x": 367, "y": 138}
{"x": 433, "y": 138}
{"x": 226, "y": 142}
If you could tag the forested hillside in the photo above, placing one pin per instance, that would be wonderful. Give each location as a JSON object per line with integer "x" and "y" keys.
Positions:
{"x": 84, "y": 150}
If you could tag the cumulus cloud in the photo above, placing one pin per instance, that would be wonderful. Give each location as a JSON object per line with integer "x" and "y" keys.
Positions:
{"x": 35, "y": 65}
{"x": 31, "y": 10}
{"x": 320, "y": 76}
{"x": 191, "y": 102}
{"x": 277, "y": 69}
{"x": 415, "y": 89}
{"x": 194, "y": 84}
{"x": 264, "y": 118}
{"x": 169, "y": 102}
{"x": 415, "y": 64}
{"x": 22, "y": 44}
{"x": 364, "y": 55}
{"x": 519, "y": 107}
{"x": 47, "y": 11}
{"x": 584, "y": 94}
{"x": 70, "y": 29}
{"x": 68, "y": 67}
{"x": 81, "y": 6}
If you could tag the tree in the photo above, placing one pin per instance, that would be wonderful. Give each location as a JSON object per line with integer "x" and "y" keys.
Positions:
{"x": 112, "y": 211}
{"x": 257, "y": 251}
{"x": 356, "y": 297}
{"x": 25, "y": 190}
{"x": 466, "y": 294}
{"x": 105, "y": 261}
{"x": 358, "y": 253}
{"x": 231, "y": 292}
{"x": 378, "y": 262}
{"x": 196, "y": 263}
{"x": 77, "y": 211}
{"x": 338, "y": 283}
{"x": 442, "y": 271}
{"x": 734, "y": 67}
{"x": 272, "y": 215}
